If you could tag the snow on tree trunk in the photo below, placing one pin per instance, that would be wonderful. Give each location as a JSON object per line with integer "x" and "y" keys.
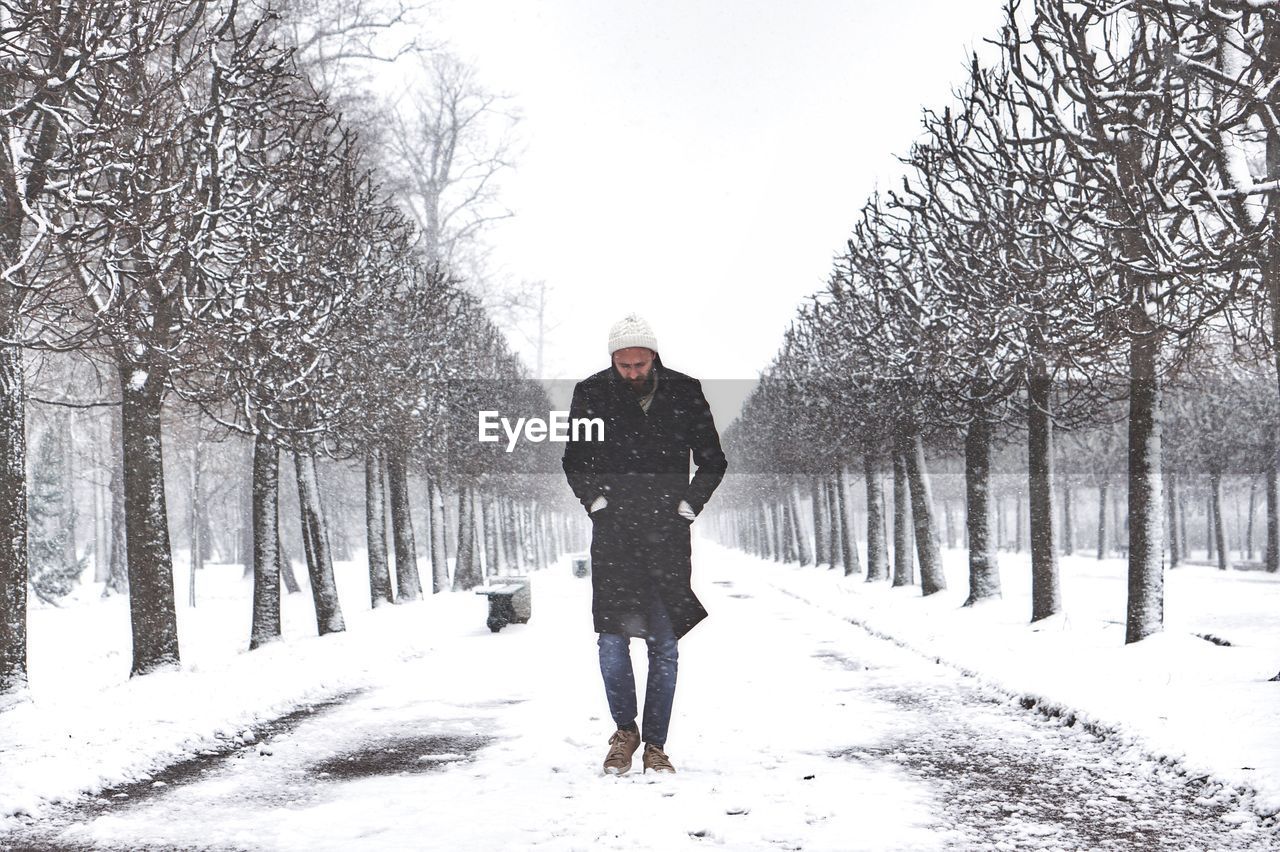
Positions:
{"x": 835, "y": 521}
{"x": 285, "y": 566}
{"x": 152, "y": 612}
{"x": 843, "y": 508}
{"x": 13, "y": 520}
{"x": 265, "y": 497}
{"x": 324, "y": 591}
{"x": 984, "y": 568}
{"x": 439, "y": 562}
{"x": 504, "y": 532}
{"x": 903, "y": 559}
{"x": 1145, "y": 609}
{"x": 509, "y": 546}
{"x": 1218, "y": 520}
{"x": 1046, "y": 596}
{"x": 821, "y": 546}
{"x": 492, "y": 516}
{"x": 408, "y": 585}
{"x": 766, "y": 531}
{"x": 466, "y": 574}
{"x": 928, "y": 541}
{"x": 877, "y": 558}
{"x": 193, "y": 522}
{"x": 479, "y": 517}
{"x": 375, "y": 518}
{"x": 788, "y": 534}
{"x": 245, "y": 534}
{"x": 803, "y": 554}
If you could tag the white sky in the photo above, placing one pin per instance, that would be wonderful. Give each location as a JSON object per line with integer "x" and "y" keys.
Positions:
{"x": 700, "y": 162}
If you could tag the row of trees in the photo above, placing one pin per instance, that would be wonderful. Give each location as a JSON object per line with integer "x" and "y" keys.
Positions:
{"x": 1092, "y": 222}
{"x": 184, "y": 207}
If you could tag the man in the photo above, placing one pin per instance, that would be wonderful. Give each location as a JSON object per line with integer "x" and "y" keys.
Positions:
{"x": 635, "y": 486}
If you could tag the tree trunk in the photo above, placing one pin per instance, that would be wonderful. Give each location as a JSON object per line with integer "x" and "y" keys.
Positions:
{"x": 1218, "y": 521}
{"x": 1175, "y": 553}
{"x": 1273, "y": 516}
{"x": 984, "y": 568}
{"x": 843, "y": 509}
{"x": 70, "y": 517}
{"x": 836, "y": 521}
{"x": 1145, "y": 610}
{"x": 802, "y": 538}
{"x": 877, "y": 557}
{"x": 375, "y": 526}
{"x": 324, "y": 591}
{"x": 285, "y": 565}
{"x": 466, "y": 575}
{"x": 195, "y": 540}
{"x": 928, "y": 542}
{"x": 408, "y": 584}
{"x": 1019, "y": 519}
{"x": 246, "y": 542}
{"x": 492, "y": 518}
{"x": 266, "y": 541}
{"x": 13, "y": 512}
{"x": 766, "y": 530}
{"x": 949, "y": 524}
{"x": 1068, "y": 517}
{"x": 439, "y": 559}
{"x": 99, "y": 539}
{"x": 152, "y": 614}
{"x": 903, "y": 564}
{"x": 118, "y": 570}
{"x": 1253, "y": 509}
{"x": 1103, "y": 488}
{"x": 821, "y": 555}
{"x": 1210, "y": 537}
{"x": 1046, "y": 596}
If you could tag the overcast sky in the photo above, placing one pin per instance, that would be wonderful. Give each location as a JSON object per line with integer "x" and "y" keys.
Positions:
{"x": 701, "y": 162}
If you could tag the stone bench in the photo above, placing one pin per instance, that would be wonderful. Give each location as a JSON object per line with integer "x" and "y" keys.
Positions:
{"x": 509, "y": 602}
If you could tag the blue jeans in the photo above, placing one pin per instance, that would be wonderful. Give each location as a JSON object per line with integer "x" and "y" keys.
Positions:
{"x": 619, "y": 679}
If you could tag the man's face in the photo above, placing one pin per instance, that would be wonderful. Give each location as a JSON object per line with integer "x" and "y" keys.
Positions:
{"x": 635, "y": 364}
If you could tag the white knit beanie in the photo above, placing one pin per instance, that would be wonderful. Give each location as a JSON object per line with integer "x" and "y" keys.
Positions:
{"x": 629, "y": 331}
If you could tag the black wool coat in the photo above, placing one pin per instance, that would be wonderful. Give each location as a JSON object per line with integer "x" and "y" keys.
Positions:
{"x": 639, "y": 542}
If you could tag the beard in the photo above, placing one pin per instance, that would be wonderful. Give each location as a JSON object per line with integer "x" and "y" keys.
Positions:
{"x": 644, "y": 385}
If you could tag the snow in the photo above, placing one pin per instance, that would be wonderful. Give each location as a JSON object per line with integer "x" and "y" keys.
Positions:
{"x": 503, "y": 733}
{"x": 1174, "y": 695}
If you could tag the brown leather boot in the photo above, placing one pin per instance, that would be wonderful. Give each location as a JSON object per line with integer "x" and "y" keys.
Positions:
{"x": 622, "y": 745}
{"x": 656, "y": 759}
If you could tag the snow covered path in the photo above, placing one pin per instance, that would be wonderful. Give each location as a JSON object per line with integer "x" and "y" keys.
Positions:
{"x": 793, "y": 730}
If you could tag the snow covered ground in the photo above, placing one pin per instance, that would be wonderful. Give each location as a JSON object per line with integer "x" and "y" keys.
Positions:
{"x": 1177, "y": 694}
{"x": 793, "y": 728}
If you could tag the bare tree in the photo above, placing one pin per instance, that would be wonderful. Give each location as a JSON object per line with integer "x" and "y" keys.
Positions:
{"x": 448, "y": 141}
